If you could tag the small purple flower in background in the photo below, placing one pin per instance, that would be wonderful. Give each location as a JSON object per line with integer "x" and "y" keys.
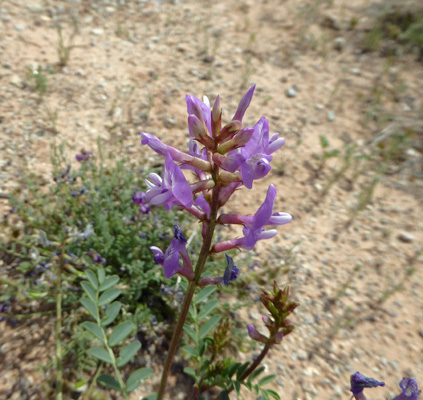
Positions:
{"x": 172, "y": 190}
{"x": 141, "y": 199}
{"x": 84, "y": 156}
{"x": 360, "y": 382}
{"x": 410, "y": 389}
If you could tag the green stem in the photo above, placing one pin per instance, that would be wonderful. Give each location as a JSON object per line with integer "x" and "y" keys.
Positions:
{"x": 87, "y": 394}
{"x": 59, "y": 366}
{"x": 204, "y": 253}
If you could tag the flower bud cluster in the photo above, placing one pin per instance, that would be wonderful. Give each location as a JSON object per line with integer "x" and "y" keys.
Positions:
{"x": 222, "y": 159}
{"x": 280, "y": 307}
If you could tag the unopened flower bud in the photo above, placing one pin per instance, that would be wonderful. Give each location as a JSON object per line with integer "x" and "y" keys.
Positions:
{"x": 229, "y": 130}
{"x": 240, "y": 139}
{"x": 216, "y": 117}
{"x": 198, "y": 130}
{"x": 255, "y": 334}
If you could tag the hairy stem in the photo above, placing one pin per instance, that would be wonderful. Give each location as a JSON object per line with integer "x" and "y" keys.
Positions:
{"x": 204, "y": 253}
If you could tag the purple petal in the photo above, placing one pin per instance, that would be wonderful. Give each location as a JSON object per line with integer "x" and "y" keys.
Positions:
{"x": 243, "y": 104}
{"x": 138, "y": 197}
{"x": 275, "y": 145}
{"x": 410, "y": 389}
{"x": 264, "y": 213}
{"x": 159, "y": 256}
{"x": 247, "y": 174}
{"x": 201, "y": 202}
{"x": 255, "y": 334}
{"x": 279, "y": 218}
{"x": 231, "y": 162}
{"x": 171, "y": 262}
{"x": 154, "y": 143}
{"x": 175, "y": 180}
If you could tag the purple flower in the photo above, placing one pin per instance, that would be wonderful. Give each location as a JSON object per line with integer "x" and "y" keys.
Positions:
{"x": 257, "y": 153}
{"x": 360, "y": 382}
{"x": 231, "y": 272}
{"x": 170, "y": 259}
{"x": 84, "y": 156}
{"x": 254, "y": 226}
{"x": 410, "y": 389}
{"x": 145, "y": 208}
{"x": 255, "y": 334}
{"x": 172, "y": 190}
{"x": 139, "y": 197}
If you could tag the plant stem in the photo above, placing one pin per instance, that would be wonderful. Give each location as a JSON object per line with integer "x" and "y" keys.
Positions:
{"x": 90, "y": 389}
{"x": 59, "y": 367}
{"x": 204, "y": 253}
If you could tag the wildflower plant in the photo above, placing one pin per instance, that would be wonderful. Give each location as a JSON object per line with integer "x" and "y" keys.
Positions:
{"x": 222, "y": 159}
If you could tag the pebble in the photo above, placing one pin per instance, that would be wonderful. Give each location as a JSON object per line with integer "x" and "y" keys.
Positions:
{"x": 291, "y": 92}
{"x": 331, "y": 116}
{"x": 19, "y": 27}
{"x": 339, "y": 44}
{"x": 406, "y": 237}
{"x": 97, "y": 31}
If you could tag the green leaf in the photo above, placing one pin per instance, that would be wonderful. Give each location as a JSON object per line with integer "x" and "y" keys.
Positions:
{"x": 230, "y": 370}
{"x": 274, "y": 394}
{"x": 191, "y": 333}
{"x": 109, "y": 382}
{"x": 202, "y": 348}
{"x": 324, "y": 142}
{"x": 101, "y": 275}
{"x": 120, "y": 332}
{"x": 89, "y": 290}
{"x": 241, "y": 370}
{"x": 208, "y": 308}
{"x": 152, "y": 396}
{"x": 237, "y": 386}
{"x": 206, "y": 292}
{"x": 267, "y": 379}
{"x": 111, "y": 313}
{"x": 127, "y": 353}
{"x": 101, "y": 354}
{"x": 90, "y": 307}
{"x": 264, "y": 395}
{"x": 79, "y": 384}
{"x": 92, "y": 278}
{"x": 109, "y": 282}
{"x": 191, "y": 372}
{"x": 224, "y": 396}
{"x": 190, "y": 350}
{"x": 137, "y": 377}
{"x": 108, "y": 296}
{"x": 209, "y": 325}
{"x": 256, "y": 373}
{"x": 95, "y": 330}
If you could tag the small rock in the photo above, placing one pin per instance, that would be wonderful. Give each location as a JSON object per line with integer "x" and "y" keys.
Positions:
{"x": 35, "y": 7}
{"x": 331, "y": 116}
{"x": 355, "y": 71}
{"x": 292, "y": 92}
{"x": 302, "y": 355}
{"x": 97, "y": 31}
{"x": 19, "y": 27}
{"x": 16, "y": 81}
{"x": 331, "y": 22}
{"x": 406, "y": 237}
{"x": 339, "y": 44}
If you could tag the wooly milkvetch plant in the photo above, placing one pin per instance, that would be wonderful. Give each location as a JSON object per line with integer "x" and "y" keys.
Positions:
{"x": 222, "y": 159}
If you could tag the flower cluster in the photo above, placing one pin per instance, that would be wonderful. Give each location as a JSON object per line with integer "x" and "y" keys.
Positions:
{"x": 280, "y": 307}
{"x": 222, "y": 159}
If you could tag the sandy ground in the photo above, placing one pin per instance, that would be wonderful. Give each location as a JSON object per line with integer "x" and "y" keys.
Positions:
{"x": 132, "y": 64}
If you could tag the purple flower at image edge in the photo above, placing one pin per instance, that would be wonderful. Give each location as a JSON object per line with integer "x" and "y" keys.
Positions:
{"x": 360, "y": 382}
{"x": 410, "y": 389}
